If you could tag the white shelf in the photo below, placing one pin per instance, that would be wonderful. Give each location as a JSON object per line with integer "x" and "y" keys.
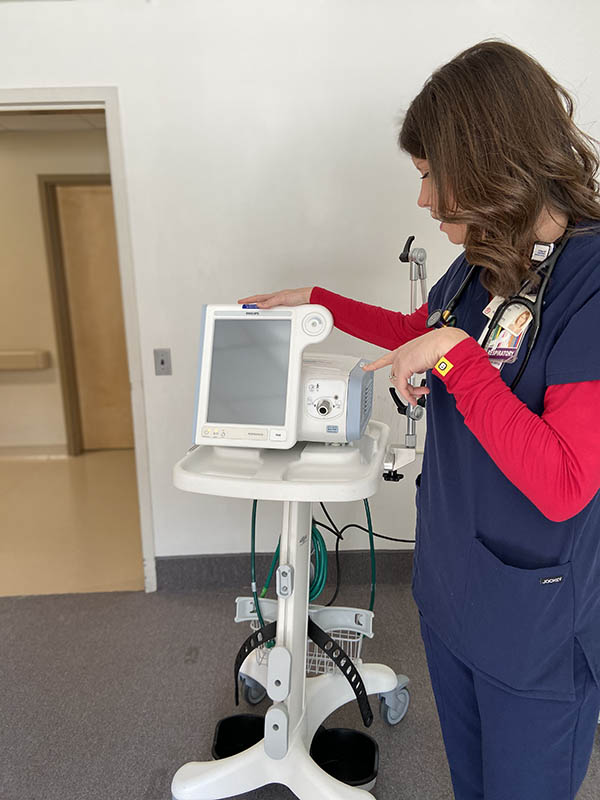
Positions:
{"x": 307, "y": 472}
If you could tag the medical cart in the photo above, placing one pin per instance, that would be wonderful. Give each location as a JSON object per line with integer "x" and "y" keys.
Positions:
{"x": 296, "y": 477}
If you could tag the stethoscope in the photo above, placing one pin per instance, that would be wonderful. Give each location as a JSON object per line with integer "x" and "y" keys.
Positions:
{"x": 446, "y": 316}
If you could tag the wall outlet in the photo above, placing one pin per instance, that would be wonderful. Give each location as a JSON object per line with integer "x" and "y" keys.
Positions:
{"x": 162, "y": 361}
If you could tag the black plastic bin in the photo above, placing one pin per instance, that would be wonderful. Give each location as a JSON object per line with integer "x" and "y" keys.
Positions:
{"x": 237, "y": 733}
{"x": 350, "y": 756}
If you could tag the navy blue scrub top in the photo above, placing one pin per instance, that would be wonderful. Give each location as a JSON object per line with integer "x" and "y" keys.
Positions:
{"x": 483, "y": 551}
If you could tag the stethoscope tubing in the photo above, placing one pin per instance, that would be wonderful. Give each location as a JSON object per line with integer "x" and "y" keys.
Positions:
{"x": 446, "y": 318}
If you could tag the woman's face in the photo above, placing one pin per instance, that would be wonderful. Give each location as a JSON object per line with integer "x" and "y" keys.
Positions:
{"x": 521, "y": 321}
{"x": 427, "y": 199}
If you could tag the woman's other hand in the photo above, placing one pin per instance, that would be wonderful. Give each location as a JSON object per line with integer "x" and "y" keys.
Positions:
{"x": 417, "y": 356}
{"x": 285, "y": 297}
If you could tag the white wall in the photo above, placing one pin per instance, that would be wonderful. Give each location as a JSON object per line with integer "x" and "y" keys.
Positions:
{"x": 31, "y": 406}
{"x": 259, "y": 140}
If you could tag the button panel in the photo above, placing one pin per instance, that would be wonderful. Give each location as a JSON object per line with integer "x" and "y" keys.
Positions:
{"x": 219, "y": 432}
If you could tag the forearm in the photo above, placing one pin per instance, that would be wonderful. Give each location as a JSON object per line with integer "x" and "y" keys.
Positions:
{"x": 380, "y": 326}
{"x": 553, "y": 459}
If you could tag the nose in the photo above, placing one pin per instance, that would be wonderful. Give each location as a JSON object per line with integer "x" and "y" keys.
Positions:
{"x": 424, "y": 198}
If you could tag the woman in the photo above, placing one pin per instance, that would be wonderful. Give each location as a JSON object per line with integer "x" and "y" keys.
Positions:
{"x": 507, "y": 558}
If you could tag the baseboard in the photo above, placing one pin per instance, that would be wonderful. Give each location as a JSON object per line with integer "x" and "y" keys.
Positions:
{"x": 189, "y": 573}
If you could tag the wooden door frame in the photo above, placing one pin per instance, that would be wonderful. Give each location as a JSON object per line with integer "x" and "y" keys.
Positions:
{"x": 106, "y": 98}
{"x": 48, "y": 184}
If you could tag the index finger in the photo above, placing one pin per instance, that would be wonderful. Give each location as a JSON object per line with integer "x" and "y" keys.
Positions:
{"x": 384, "y": 361}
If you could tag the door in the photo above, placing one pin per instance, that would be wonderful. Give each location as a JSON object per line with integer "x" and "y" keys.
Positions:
{"x": 93, "y": 295}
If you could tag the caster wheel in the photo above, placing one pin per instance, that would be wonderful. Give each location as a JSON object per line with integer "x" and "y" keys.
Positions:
{"x": 392, "y": 716}
{"x": 254, "y": 693}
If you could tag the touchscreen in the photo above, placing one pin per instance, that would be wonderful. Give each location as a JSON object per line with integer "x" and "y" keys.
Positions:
{"x": 249, "y": 376}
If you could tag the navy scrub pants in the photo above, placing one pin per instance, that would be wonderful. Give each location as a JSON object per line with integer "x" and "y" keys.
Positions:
{"x": 504, "y": 747}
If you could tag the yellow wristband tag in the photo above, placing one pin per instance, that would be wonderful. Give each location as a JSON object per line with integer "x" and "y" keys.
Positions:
{"x": 444, "y": 366}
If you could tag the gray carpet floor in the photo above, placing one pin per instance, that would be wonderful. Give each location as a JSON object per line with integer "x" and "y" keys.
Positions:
{"x": 104, "y": 696}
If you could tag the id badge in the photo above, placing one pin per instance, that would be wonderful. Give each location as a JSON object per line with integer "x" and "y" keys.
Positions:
{"x": 509, "y": 332}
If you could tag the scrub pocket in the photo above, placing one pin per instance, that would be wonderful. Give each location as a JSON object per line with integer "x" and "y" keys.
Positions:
{"x": 518, "y": 623}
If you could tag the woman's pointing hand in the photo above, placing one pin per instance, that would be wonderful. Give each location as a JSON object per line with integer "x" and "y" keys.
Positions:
{"x": 417, "y": 355}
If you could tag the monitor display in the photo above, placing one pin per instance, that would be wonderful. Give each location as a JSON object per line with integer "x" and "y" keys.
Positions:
{"x": 249, "y": 372}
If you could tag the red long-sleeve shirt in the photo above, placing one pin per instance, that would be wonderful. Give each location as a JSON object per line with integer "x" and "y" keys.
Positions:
{"x": 554, "y": 459}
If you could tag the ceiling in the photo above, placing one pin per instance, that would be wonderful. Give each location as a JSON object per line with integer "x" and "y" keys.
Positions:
{"x": 51, "y": 121}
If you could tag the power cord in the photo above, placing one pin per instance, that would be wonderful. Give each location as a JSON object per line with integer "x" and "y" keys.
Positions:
{"x": 339, "y": 534}
{"x": 366, "y": 530}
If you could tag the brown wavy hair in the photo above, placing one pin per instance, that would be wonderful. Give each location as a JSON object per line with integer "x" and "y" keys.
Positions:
{"x": 502, "y": 146}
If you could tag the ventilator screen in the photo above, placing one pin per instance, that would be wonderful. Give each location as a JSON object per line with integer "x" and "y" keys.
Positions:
{"x": 249, "y": 373}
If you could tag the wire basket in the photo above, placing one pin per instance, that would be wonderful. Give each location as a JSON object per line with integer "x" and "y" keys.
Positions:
{"x": 318, "y": 663}
{"x": 346, "y": 626}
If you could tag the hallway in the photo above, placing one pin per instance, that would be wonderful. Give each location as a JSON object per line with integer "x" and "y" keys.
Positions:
{"x": 69, "y": 524}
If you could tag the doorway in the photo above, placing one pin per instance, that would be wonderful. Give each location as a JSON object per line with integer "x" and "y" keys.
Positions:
{"x": 71, "y": 514}
{"x": 83, "y": 265}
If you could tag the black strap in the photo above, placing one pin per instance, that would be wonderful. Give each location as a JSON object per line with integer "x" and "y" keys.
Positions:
{"x": 342, "y": 660}
{"x": 261, "y": 636}
{"x": 329, "y": 646}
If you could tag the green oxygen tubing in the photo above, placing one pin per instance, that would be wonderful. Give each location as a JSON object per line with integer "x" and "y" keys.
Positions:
{"x": 319, "y": 576}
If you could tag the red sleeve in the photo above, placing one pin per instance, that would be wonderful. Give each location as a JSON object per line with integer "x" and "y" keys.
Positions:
{"x": 553, "y": 459}
{"x": 382, "y": 327}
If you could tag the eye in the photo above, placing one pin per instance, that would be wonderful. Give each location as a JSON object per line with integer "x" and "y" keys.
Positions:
{"x": 424, "y": 175}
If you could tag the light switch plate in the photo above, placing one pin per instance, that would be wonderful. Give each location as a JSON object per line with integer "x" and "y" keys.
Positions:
{"x": 162, "y": 361}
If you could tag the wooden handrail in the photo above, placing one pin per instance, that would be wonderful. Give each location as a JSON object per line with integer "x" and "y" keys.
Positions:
{"x": 24, "y": 359}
